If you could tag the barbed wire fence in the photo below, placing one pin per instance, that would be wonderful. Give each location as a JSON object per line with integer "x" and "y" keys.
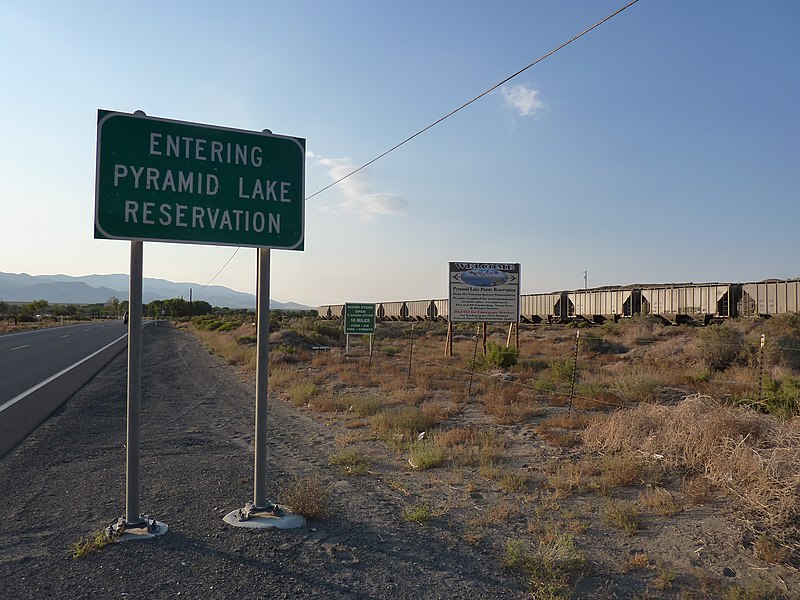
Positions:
{"x": 753, "y": 390}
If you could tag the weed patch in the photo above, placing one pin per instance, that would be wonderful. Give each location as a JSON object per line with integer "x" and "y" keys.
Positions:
{"x": 307, "y": 496}
{"x": 548, "y": 567}
{"x": 350, "y": 460}
{"x": 426, "y": 454}
{"x": 418, "y": 513}
{"x": 623, "y": 515}
{"x": 89, "y": 545}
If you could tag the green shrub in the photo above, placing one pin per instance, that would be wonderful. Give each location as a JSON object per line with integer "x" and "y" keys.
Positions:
{"x": 547, "y": 567}
{"x": 501, "y": 356}
{"x": 719, "y": 346}
{"x": 212, "y": 324}
{"x": 782, "y": 396}
{"x": 561, "y": 370}
{"x": 785, "y": 350}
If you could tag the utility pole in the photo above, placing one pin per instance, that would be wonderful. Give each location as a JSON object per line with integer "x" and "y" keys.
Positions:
{"x": 586, "y": 280}
{"x": 190, "y": 303}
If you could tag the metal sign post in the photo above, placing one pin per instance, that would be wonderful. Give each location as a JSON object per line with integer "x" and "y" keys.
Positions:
{"x": 261, "y": 513}
{"x": 134, "y": 525}
{"x": 132, "y": 458}
{"x": 262, "y": 384}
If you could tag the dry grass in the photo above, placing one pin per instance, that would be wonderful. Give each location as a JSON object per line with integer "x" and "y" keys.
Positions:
{"x": 753, "y": 456}
{"x": 471, "y": 446}
{"x": 301, "y": 392}
{"x": 660, "y": 501}
{"x": 307, "y": 496}
{"x": 640, "y": 560}
{"x": 698, "y": 489}
{"x": 225, "y": 345}
{"x": 409, "y": 396}
{"x": 622, "y": 514}
{"x": 482, "y": 455}
{"x": 507, "y": 405}
{"x": 636, "y": 385}
{"x": 565, "y": 420}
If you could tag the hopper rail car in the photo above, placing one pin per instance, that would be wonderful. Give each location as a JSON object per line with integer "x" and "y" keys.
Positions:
{"x": 674, "y": 303}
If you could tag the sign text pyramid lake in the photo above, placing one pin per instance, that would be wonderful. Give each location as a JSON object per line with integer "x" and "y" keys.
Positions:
{"x": 174, "y": 181}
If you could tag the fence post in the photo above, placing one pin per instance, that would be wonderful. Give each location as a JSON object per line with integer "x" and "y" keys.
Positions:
{"x": 448, "y": 343}
{"x": 474, "y": 358}
{"x": 411, "y": 350}
{"x": 574, "y": 372}
{"x": 761, "y": 370}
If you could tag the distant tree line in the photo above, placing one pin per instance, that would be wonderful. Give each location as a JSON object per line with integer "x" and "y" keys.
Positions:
{"x": 42, "y": 309}
{"x": 113, "y": 308}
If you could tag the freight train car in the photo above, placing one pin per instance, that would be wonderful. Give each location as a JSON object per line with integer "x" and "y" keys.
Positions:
{"x": 440, "y": 309}
{"x": 392, "y": 311}
{"x": 547, "y": 308}
{"x": 600, "y": 305}
{"x": 767, "y": 298}
{"x": 331, "y": 311}
{"x": 419, "y": 310}
{"x": 690, "y": 302}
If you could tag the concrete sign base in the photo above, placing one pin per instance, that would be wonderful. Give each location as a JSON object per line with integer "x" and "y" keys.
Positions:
{"x": 279, "y": 517}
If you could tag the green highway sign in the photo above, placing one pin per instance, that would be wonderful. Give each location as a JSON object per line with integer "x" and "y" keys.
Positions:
{"x": 174, "y": 181}
{"x": 359, "y": 318}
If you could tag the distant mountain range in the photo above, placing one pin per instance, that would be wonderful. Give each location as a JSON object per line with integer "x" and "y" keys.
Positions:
{"x": 94, "y": 289}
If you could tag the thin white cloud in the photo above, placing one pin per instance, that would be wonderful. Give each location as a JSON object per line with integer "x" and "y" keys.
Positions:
{"x": 523, "y": 100}
{"x": 359, "y": 198}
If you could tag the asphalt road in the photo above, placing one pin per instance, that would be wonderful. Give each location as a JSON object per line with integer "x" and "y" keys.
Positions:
{"x": 40, "y": 369}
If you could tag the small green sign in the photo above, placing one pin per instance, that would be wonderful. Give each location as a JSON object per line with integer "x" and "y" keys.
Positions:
{"x": 359, "y": 318}
{"x": 174, "y": 181}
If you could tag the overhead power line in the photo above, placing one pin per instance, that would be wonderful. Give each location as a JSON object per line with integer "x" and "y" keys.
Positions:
{"x": 476, "y": 98}
{"x": 221, "y": 270}
{"x": 452, "y": 112}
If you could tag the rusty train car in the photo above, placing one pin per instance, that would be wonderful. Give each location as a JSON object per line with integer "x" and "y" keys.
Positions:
{"x": 675, "y": 303}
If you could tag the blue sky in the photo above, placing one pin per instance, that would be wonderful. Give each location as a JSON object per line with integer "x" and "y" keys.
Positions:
{"x": 663, "y": 146}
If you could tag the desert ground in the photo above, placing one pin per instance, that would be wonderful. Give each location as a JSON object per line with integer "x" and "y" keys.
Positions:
{"x": 628, "y": 461}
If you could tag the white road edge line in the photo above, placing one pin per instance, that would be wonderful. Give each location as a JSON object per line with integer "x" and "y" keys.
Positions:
{"x": 41, "y": 384}
{"x": 20, "y": 347}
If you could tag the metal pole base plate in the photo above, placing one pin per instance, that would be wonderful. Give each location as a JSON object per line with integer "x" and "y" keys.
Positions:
{"x": 146, "y": 528}
{"x": 263, "y": 517}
